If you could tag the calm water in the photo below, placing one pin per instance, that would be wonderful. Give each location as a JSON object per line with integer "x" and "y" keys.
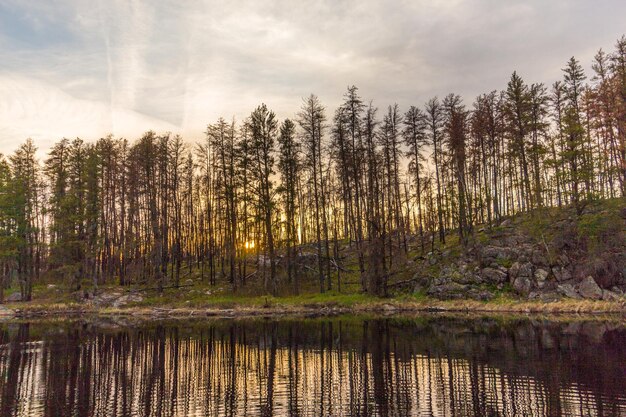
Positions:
{"x": 427, "y": 366}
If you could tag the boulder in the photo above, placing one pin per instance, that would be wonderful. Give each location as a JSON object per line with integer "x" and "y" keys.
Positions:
{"x": 610, "y": 296}
{"x": 539, "y": 259}
{"x": 526, "y": 270}
{"x": 522, "y": 284}
{"x": 561, "y": 273}
{"x": 540, "y": 276}
{"x": 104, "y": 299}
{"x": 450, "y": 290}
{"x": 490, "y": 254}
{"x": 125, "y": 299}
{"x": 506, "y": 223}
{"x": 470, "y": 278}
{"x": 493, "y": 276}
{"x": 454, "y": 275}
{"x": 479, "y": 295}
{"x": 16, "y": 296}
{"x": 588, "y": 288}
{"x": 563, "y": 260}
{"x": 514, "y": 270}
{"x": 567, "y": 290}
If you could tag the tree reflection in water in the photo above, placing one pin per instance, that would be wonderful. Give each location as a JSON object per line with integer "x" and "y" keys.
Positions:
{"x": 431, "y": 366}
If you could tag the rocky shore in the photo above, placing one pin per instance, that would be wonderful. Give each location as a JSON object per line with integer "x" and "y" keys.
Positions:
{"x": 565, "y": 257}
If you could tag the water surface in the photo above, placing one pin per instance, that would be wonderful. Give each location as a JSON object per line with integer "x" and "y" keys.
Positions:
{"x": 425, "y": 366}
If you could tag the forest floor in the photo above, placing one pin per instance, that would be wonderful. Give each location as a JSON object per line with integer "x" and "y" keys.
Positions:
{"x": 559, "y": 250}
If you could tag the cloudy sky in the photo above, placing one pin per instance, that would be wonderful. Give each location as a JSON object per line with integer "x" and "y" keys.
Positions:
{"x": 88, "y": 68}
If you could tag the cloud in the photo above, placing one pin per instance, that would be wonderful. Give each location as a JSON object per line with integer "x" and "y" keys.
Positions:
{"x": 45, "y": 113}
{"x": 178, "y": 65}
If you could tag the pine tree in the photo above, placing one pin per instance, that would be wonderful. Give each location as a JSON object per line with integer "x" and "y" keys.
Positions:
{"x": 26, "y": 187}
{"x": 289, "y": 167}
{"x": 574, "y": 130}
{"x": 311, "y": 119}
{"x": 263, "y": 127}
{"x": 414, "y": 134}
{"x": 435, "y": 120}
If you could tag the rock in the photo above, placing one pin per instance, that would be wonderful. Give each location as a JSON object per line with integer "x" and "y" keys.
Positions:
{"x": 538, "y": 258}
{"x": 610, "y": 296}
{"x": 495, "y": 252}
{"x": 563, "y": 260}
{"x": 514, "y": 270}
{"x": 469, "y": 278}
{"x": 522, "y": 284}
{"x": 540, "y": 276}
{"x": 128, "y": 298}
{"x": 506, "y": 223}
{"x": 567, "y": 290}
{"x": 561, "y": 273}
{"x": 16, "y": 296}
{"x": 491, "y": 254}
{"x": 389, "y": 308}
{"x": 51, "y": 286}
{"x": 526, "y": 270}
{"x": 588, "y": 288}
{"x": 104, "y": 299}
{"x": 189, "y": 282}
{"x": 493, "y": 276}
{"x": 454, "y": 275}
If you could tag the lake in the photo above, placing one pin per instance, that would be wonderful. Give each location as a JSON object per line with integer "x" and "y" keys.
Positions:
{"x": 426, "y": 365}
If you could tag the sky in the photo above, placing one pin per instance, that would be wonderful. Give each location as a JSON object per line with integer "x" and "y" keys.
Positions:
{"x": 82, "y": 68}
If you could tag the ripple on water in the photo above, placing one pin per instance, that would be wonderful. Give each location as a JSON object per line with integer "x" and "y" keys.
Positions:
{"x": 331, "y": 367}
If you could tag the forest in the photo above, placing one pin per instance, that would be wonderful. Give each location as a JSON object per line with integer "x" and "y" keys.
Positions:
{"x": 254, "y": 197}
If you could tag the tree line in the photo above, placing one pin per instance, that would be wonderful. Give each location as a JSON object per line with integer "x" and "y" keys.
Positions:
{"x": 253, "y": 198}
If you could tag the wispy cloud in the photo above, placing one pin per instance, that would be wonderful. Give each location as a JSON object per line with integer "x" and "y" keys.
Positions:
{"x": 75, "y": 68}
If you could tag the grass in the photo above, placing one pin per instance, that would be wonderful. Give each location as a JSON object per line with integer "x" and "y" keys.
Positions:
{"x": 230, "y": 300}
{"x": 172, "y": 304}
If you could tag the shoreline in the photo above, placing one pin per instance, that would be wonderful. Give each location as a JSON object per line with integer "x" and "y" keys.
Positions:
{"x": 319, "y": 309}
